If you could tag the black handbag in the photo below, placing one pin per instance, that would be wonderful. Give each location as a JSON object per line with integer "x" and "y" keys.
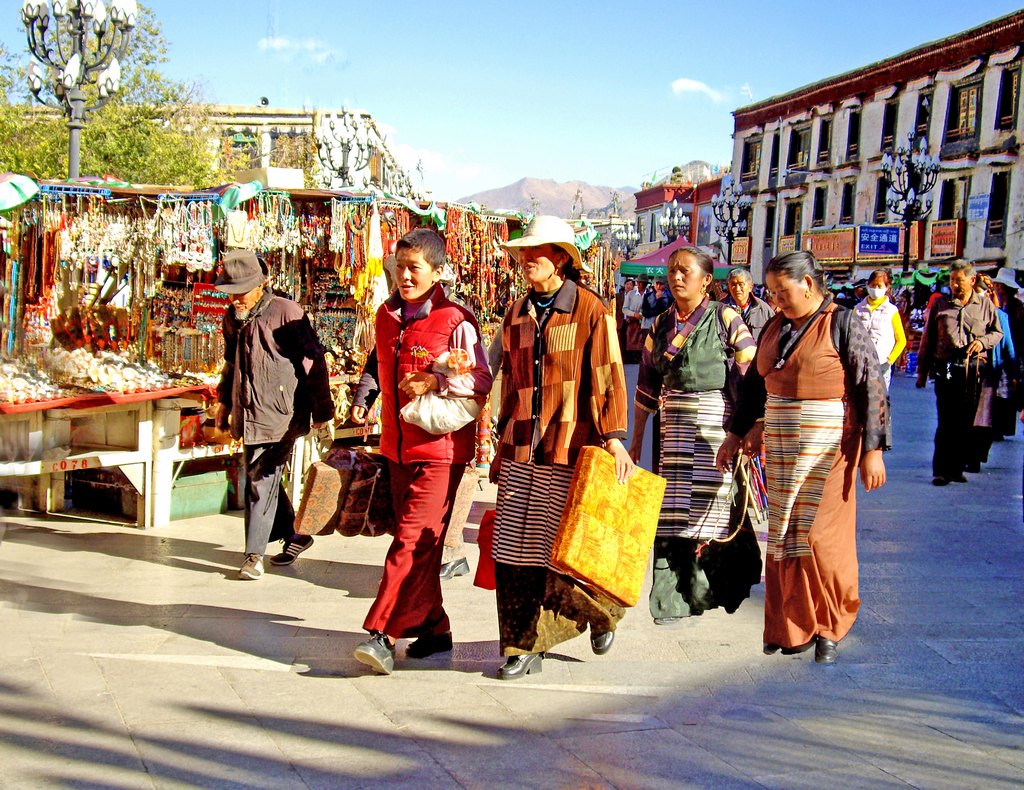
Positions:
{"x": 733, "y": 565}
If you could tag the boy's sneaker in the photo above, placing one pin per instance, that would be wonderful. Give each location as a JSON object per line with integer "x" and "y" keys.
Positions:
{"x": 377, "y": 653}
{"x": 293, "y": 547}
{"x": 252, "y": 568}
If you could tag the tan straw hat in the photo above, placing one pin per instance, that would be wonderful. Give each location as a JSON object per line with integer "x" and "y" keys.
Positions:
{"x": 545, "y": 229}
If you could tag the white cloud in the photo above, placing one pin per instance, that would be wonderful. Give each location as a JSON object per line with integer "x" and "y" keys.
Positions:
{"x": 315, "y": 50}
{"x": 686, "y": 85}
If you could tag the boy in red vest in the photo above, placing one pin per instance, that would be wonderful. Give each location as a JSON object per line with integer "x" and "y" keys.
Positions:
{"x": 415, "y": 327}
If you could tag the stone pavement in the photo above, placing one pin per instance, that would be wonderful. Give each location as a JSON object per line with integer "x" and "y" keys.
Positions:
{"x": 137, "y": 659}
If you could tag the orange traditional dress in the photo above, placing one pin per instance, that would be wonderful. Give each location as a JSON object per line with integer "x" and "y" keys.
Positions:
{"x": 822, "y": 397}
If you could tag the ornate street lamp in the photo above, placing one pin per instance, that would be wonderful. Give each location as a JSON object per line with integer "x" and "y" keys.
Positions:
{"x": 730, "y": 208}
{"x": 626, "y": 239}
{"x": 80, "y": 44}
{"x": 344, "y": 146}
{"x": 911, "y": 174}
{"x": 675, "y": 222}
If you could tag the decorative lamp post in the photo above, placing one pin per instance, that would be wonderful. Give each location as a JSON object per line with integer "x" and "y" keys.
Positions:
{"x": 730, "y": 208}
{"x": 344, "y": 146}
{"x": 911, "y": 174}
{"x": 626, "y": 239}
{"x": 79, "y": 43}
{"x": 675, "y": 222}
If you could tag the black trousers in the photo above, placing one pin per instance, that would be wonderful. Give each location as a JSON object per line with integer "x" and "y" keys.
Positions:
{"x": 956, "y": 401}
{"x": 269, "y": 515}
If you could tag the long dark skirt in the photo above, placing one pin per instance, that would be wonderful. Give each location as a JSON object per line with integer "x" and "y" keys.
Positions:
{"x": 538, "y": 609}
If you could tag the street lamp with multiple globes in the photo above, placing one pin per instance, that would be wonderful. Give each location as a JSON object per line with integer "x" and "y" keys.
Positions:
{"x": 81, "y": 43}
{"x": 344, "y": 146}
{"x": 911, "y": 174}
{"x": 627, "y": 238}
{"x": 730, "y": 208}
{"x": 675, "y": 222}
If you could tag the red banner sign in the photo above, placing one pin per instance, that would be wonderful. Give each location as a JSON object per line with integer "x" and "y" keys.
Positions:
{"x": 947, "y": 238}
{"x": 837, "y": 246}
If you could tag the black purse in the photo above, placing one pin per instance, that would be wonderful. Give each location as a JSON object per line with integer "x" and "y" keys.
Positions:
{"x": 733, "y": 565}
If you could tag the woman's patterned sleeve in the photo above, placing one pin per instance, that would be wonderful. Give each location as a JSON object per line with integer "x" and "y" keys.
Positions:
{"x": 608, "y": 404}
{"x": 649, "y": 381}
{"x": 865, "y": 387}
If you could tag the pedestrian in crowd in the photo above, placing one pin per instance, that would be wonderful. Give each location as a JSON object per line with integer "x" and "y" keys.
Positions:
{"x": 882, "y": 321}
{"x": 632, "y": 303}
{"x": 814, "y": 403}
{"x": 1005, "y": 408}
{"x": 689, "y": 357}
{"x": 414, "y": 327}
{"x": 563, "y": 388}
{"x": 274, "y": 381}
{"x": 754, "y": 312}
{"x": 959, "y": 333}
{"x": 656, "y": 301}
{"x": 996, "y": 385}
{"x": 620, "y": 318}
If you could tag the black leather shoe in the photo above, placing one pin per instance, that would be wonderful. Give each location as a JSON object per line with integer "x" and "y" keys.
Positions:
{"x": 450, "y": 570}
{"x": 825, "y": 651}
{"x": 770, "y": 648}
{"x": 940, "y": 481}
{"x": 428, "y": 645}
{"x": 792, "y": 651}
{"x": 958, "y": 479}
{"x": 377, "y": 653}
{"x": 517, "y": 666}
{"x": 601, "y": 641}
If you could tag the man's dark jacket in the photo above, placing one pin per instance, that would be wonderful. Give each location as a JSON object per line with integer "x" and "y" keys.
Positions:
{"x": 275, "y": 377}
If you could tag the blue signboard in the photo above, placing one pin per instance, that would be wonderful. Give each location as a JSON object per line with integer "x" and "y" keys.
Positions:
{"x": 977, "y": 207}
{"x": 879, "y": 240}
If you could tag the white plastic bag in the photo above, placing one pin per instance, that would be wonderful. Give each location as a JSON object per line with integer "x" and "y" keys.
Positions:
{"x": 439, "y": 415}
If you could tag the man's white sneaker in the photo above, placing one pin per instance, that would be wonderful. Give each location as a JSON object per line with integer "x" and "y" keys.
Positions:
{"x": 252, "y": 568}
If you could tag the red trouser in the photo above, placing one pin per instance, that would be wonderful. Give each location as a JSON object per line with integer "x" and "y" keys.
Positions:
{"x": 408, "y": 602}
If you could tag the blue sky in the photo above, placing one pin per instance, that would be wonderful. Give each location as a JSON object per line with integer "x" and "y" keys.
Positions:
{"x": 486, "y": 93}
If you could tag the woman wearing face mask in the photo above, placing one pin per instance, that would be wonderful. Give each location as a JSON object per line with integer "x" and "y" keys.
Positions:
{"x": 882, "y": 320}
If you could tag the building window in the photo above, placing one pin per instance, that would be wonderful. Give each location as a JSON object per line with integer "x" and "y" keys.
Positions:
{"x": 773, "y": 158}
{"x": 654, "y": 226}
{"x": 640, "y": 227}
{"x": 818, "y": 212}
{"x": 995, "y": 231}
{"x": 799, "y": 148}
{"x": 769, "y": 228}
{"x": 793, "y": 217}
{"x": 924, "y": 114}
{"x": 962, "y": 120}
{"x": 824, "y": 140}
{"x": 751, "y": 159}
{"x": 1009, "y": 86}
{"x": 889, "y": 123}
{"x": 881, "y": 210}
{"x": 947, "y": 199}
{"x": 846, "y": 204}
{"x": 853, "y": 135}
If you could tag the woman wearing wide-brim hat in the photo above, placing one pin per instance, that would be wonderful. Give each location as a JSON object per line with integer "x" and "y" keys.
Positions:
{"x": 563, "y": 388}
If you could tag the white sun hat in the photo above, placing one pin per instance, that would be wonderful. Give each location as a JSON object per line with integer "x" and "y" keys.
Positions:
{"x": 546, "y": 229}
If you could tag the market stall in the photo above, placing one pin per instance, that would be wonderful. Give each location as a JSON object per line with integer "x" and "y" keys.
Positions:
{"x": 110, "y": 330}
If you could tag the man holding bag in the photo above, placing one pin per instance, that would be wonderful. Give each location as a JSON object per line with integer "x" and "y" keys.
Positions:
{"x": 425, "y": 344}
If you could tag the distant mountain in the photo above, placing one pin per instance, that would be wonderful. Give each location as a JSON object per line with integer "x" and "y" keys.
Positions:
{"x": 545, "y": 196}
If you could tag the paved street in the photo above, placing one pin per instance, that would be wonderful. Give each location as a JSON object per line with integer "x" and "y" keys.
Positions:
{"x": 137, "y": 659}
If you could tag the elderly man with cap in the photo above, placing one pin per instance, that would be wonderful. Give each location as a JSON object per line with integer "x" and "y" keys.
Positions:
{"x": 656, "y": 301}
{"x": 563, "y": 388}
{"x": 275, "y": 379}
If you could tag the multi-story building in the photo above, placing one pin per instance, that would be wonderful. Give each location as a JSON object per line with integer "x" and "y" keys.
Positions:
{"x": 811, "y": 158}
